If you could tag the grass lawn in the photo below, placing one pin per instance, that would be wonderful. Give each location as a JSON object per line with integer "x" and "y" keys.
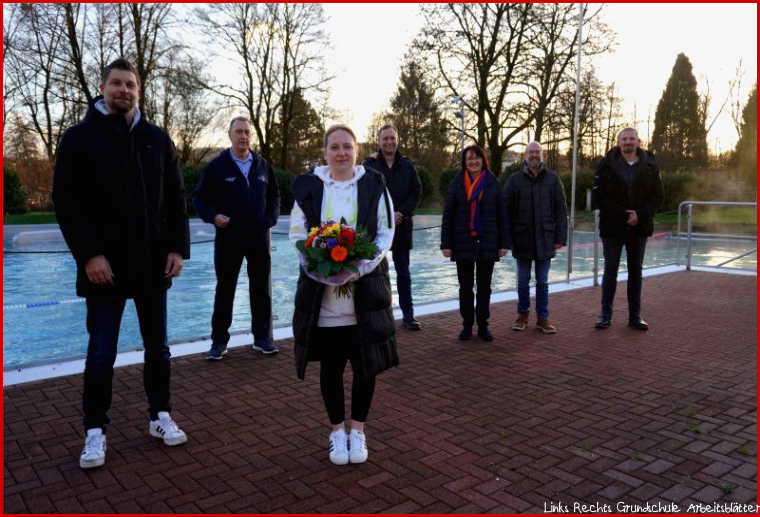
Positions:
{"x": 30, "y": 218}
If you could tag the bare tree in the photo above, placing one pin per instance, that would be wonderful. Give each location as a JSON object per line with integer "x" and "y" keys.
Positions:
{"x": 554, "y": 52}
{"x": 507, "y": 61}
{"x": 35, "y": 76}
{"x": 277, "y": 48}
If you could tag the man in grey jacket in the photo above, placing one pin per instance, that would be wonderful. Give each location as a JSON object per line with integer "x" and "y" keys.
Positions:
{"x": 535, "y": 205}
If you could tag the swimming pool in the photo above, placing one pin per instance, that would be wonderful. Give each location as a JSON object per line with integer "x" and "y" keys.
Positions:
{"x": 44, "y": 321}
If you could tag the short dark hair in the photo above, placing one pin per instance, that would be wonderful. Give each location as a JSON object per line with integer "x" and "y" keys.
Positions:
{"x": 239, "y": 119}
{"x": 119, "y": 64}
{"x": 387, "y": 126}
{"x": 475, "y": 148}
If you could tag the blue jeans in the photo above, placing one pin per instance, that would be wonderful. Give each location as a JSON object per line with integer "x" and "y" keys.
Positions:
{"x": 103, "y": 322}
{"x": 634, "y": 251}
{"x": 403, "y": 281}
{"x": 542, "y": 286}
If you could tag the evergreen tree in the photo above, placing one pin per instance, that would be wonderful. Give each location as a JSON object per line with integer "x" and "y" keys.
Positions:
{"x": 297, "y": 140}
{"x": 679, "y": 138}
{"x": 746, "y": 147}
{"x": 417, "y": 115}
{"x": 14, "y": 197}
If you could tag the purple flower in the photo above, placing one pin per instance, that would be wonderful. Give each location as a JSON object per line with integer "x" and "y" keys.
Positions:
{"x": 331, "y": 243}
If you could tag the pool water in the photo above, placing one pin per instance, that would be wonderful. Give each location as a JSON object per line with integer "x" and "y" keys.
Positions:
{"x": 44, "y": 321}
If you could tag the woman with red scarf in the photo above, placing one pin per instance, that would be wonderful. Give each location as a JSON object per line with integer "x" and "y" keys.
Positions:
{"x": 474, "y": 235}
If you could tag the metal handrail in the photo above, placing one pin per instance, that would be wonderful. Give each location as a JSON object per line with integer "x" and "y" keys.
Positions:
{"x": 689, "y": 221}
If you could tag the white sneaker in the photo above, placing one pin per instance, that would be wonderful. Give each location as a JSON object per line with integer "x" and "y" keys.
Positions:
{"x": 94, "y": 452}
{"x": 339, "y": 447}
{"x": 167, "y": 429}
{"x": 358, "y": 444}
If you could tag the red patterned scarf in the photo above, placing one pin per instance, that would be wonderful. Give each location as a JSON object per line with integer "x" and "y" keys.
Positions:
{"x": 474, "y": 191}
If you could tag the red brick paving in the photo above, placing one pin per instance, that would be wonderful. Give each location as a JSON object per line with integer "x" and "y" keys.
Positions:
{"x": 585, "y": 416}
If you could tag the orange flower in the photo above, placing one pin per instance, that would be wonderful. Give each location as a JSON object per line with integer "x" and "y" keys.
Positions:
{"x": 339, "y": 253}
{"x": 309, "y": 241}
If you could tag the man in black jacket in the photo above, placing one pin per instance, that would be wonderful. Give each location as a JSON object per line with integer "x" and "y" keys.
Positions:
{"x": 535, "y": 205}
{"x": 628, "y": 191}
{"x": 404, "y": 185}
{"x": 237, "y": 192}
{"x": 120, "y": 202}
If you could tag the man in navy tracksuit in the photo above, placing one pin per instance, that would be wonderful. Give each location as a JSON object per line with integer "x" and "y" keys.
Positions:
{"x": 237, "y": 192}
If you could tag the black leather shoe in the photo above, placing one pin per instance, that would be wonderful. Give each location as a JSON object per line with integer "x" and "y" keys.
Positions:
{"x": 485, "y": 334}
{"x": 411, "y": 323}
{"x": 638, "y": 323}
{"x": 466, "y": 334}
{"x": 603, "y": 322}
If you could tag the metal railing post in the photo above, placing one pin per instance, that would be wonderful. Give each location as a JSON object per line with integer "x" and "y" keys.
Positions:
{"x": 596, "y": 248}
{"x": 688, "y": 236}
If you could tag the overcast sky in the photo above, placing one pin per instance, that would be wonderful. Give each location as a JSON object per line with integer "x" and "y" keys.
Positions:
{"x": 370, "y": 41}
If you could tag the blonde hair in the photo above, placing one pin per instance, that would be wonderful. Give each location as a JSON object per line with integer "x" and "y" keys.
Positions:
{"x": 339, "y": 127}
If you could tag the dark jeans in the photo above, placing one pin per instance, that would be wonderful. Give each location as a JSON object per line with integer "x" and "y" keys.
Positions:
{"x": 403, "y": 281}
{"x": 542, "y": 286}
{"x": 338, "y": 345}
{"x": 228, "y": 258}
{"x": 470, "y": 272}
{"x": 634, "y": 251}
{"x": 103, "y": 322}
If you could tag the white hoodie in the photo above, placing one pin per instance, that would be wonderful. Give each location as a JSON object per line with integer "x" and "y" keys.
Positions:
{"x": 340, "y": 199}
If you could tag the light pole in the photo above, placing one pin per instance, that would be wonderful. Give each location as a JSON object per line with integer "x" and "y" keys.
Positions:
{"x": 460, "y": 114}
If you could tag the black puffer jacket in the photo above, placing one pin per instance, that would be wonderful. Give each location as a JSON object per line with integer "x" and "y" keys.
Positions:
{"x": 252, "y": 204}
{"x": 119, "y": 193}
{"x": 537, "y": 213}
{"x": 613, "y": 197}
{"x": 455, "y": 225}
{"x": 404, "y": 185}
{"x": 372, "y": 297}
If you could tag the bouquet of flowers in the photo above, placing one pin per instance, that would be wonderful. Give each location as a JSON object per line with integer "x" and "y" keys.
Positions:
{"x": 331, "y": 248}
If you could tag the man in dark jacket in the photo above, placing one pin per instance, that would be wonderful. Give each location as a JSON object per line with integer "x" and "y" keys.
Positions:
{"x": 404, "y": 185}
{"x": 628, "y": 191}
{"x": 535, "y": 202}
{"x": 237, "y": 192}
{"x": 120, "y": 202}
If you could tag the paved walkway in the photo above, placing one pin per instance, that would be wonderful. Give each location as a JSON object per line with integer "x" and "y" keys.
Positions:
{"x": 593, "y": 417}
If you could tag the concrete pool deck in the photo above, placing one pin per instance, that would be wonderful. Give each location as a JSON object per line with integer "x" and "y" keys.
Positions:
{"x": 588, "y": 417}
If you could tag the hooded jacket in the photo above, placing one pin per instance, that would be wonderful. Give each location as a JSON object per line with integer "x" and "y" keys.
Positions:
{"x": 372, "y": 299}
{"x": 118, "y": 191}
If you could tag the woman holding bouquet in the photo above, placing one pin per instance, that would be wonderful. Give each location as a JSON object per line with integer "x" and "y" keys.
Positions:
{"x": 474, "y": 235}
{"x": 346, "y": 316}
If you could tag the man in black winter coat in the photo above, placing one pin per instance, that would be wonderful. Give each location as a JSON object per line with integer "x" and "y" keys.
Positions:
{"x": 404, "y": 185}
{"x": 535, "y": 205}
{"x": 238, "y": 193}
{"x": 628, "y": 191}
{"x": 120, "y": 202}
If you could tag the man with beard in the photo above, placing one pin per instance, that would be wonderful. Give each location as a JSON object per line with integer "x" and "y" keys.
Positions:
{"x": 628, "y": 191}
{"x": 120, "y": 202}
{"x": 537, "y": 222}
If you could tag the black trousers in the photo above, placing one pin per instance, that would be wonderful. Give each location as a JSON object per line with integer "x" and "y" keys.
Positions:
{"x": 228, "y": 258}
{"x": 469, "y": 273}
{"x": 634, "y": 251}
{"x": 337, "y": 345}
